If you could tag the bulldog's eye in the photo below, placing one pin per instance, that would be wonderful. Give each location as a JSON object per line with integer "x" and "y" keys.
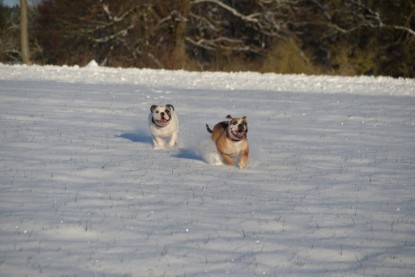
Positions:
{"x": 157, "y": 111}
{"x": 234, "y": 122}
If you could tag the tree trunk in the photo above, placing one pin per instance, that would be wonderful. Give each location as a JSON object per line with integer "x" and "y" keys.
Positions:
{"x": 24, "y": 34}
{"x": 178, "y": 54}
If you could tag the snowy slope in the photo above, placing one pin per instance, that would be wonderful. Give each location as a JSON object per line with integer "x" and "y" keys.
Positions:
{"x": 329, "y": 190}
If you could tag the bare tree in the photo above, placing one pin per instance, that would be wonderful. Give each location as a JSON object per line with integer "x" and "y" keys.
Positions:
{"x": 180, "y": 18}
{"x": 24, "y": 33}
{"x": 241, "y": 26}
{"x": 356, "y": 14}
{"x": 196, "y": 34}
{"x": 9, "y": 34}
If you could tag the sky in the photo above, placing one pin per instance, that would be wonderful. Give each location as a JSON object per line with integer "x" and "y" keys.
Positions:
{"x": 10, "y": 3}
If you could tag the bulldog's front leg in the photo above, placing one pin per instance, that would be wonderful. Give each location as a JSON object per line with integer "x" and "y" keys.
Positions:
{"x": 244, "y": 159}
{"x": 173, "y": 140}
{"x": 158, "y": 143}
{"x": 227, "y": 159}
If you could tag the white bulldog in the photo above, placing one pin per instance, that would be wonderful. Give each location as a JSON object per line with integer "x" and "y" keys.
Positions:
{"x": 164, "y": 126}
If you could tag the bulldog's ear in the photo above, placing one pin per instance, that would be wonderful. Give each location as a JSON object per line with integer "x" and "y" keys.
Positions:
{"x": 244, "y": 117}
{"x": 171, "y": 107}
{"x": 229, "y": 116}
{"x": 152, "y": 108}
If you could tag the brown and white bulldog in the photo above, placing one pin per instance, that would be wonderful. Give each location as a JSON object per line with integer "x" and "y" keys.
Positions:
{"x": 164, "y": 126}
{"x": 231, "y": 140}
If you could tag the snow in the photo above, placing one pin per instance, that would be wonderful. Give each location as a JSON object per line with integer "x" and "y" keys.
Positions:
{"x": 329, "y": 188}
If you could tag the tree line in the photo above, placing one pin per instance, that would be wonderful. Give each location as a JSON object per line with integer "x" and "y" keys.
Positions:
{"x": 343, "y": 37}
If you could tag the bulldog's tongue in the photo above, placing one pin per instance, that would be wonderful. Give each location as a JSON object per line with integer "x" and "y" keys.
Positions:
{"x": 162, "y": 122}
{"x": 239, "y": 135}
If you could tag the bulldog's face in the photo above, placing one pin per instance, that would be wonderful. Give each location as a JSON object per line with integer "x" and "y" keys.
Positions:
{"x": 238, "y": 127}
{"x": 162, "y": 114}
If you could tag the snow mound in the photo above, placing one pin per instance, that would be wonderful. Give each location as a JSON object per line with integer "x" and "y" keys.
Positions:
{"x": 92, "y": 64}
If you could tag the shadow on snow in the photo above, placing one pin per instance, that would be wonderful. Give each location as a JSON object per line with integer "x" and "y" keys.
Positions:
{"x": 191, "y": 154}
{"x": 136, "y": 137}
{"x": 182, "y": 153}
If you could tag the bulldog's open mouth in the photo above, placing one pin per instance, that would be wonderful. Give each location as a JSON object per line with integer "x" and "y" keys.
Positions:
{"x": 239, "y": 135}
{"x": 162, "y": 122}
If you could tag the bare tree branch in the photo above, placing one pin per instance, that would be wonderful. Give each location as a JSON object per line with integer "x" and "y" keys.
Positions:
{"x": 249, "y": 18}
{"x": 223, "y": 43}
{"x": 366, "y": 16}
{"x": 402, "y": 28}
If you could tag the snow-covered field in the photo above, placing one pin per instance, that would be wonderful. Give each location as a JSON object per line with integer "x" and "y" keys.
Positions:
{"x": 329, "y": 189}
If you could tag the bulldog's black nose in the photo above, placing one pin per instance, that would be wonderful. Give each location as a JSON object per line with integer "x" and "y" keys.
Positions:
{"x": 162, "y": 113}
{"x": 240, "y": 127}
